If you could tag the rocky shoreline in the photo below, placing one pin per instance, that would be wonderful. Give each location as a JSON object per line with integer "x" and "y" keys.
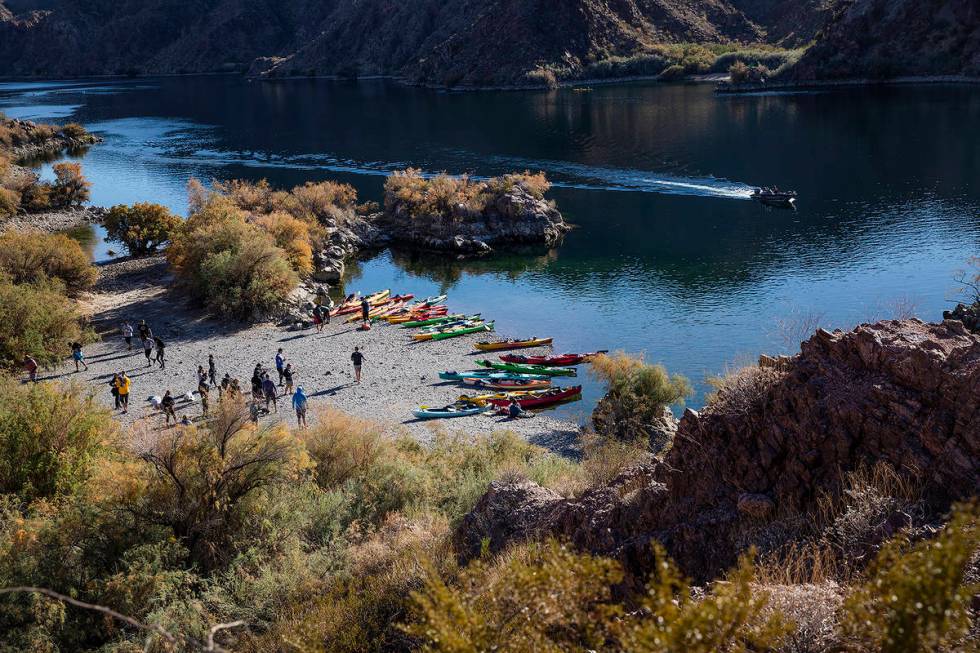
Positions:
{"x": 777, "y": 85}
{"x": 55, "y": 221}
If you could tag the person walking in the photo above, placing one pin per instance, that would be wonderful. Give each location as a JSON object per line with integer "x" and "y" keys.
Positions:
{"x": 144, "y": 330}
{"x": 167, "y": 405}
{"x": 287, "y": 374}
{"x": 127, "y": 332}
{"x": 357, "y": 358}
{"x": 271, "y": 393}
{"x": 161, "y": 346}
{"x": 30, "y": 366}
{"x": 123, "y": 387}
{"x": 212, "y": 371}
{"x": 76, "y": 354}
{"x": 300, "y": 403}
{"x": 280, "y": 364}
{"x": 148, "y": 351}
{"x": 202, "y": 376}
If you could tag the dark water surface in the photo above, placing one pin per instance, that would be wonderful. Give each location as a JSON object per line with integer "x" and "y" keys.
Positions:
{"x": 669, "y": 257}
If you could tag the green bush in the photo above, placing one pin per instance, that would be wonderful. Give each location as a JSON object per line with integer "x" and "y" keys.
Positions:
{"x": 39, "y": 320}
{"x": 916, "y": 597}
{"x": 639, "y": 390}
{"x": 33, "y": 257}
{"x": 50, "y": 436}
{"x": 142, "y": 227}
{"x": 230, "y": 265}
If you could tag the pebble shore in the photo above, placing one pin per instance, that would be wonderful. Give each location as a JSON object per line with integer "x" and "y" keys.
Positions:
{"x": 398, "y": 374}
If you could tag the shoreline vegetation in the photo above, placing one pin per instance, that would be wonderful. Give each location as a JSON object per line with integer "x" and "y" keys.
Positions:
{"x": 771, "y": 520}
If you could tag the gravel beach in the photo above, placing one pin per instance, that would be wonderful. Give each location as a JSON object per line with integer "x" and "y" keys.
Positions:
{"x": 398, "y": 374}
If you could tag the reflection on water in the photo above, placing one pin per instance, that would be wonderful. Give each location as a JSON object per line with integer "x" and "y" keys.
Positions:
{"x": 668, "y": 256}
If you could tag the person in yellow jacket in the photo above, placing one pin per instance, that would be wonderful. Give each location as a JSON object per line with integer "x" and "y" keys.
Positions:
{"x": 122, "y": 387}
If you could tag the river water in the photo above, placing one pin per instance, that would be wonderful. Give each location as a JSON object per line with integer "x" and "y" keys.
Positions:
{"x": 669, "y": 256}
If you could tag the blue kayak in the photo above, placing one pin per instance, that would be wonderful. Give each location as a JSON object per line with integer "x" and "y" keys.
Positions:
{"x": 455, "y": 410}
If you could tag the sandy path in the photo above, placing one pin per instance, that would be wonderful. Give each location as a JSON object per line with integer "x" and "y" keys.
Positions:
{"x": 398, "y": 374}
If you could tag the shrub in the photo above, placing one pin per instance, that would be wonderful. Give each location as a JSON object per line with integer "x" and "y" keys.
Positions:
{"x": 49, "y": 437}
{"x": 70, "y": 186}
{"x": 36, "y": 197}
{"x": 673, "y": 73}
{"x": 39, "y": 320}
{"x": 640, "y": 389}
{"x": 9, "y": 202}
{"x": 199, "y": 480}
{"x": 292, "y": 236}
{"x": 545, "y": 597}
{"x": 231, "y": 266}
{"x": 74, "y": 130}
{"x": 915, "y": 597}
{"x": 542, "y": 77}
{"x": 142, "y": 227}
{"x": 739, "y": 72}
{"x": 32, "y": 257}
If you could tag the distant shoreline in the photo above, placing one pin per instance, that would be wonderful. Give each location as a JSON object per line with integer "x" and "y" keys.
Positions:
{"x": 910, "y": 80}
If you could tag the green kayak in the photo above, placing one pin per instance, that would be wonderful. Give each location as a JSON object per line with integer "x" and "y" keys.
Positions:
{"x": 434, "y": 320}
{"x": 464, "y": 331}
{"x": 528, "y": 369}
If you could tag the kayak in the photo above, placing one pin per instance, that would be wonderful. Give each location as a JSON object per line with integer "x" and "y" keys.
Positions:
{"x": 512, "y": 344}
{"x": 552, "y": 361}
{"x": 355, "y": 305}
{"x": 455, "y": 333}
{"x": 453, "y": 327}
{"x": 417, "y": 316}
{"x": 435, "y": 320}
{"x": 473, "y": 320}
{"x": 382, "y": 306}
{"x": 503, "y": 396}
{"x": 459, "y": 409}
{"x": 549, "y": 398}
{"x": 528, "y": 369}
{"x": 507, "y": 384}
{"x": 490, "y": 374}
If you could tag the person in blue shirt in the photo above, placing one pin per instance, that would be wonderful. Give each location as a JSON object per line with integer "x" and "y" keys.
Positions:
{"x": 280, "y": 364}
{"x": 300, "y": 402}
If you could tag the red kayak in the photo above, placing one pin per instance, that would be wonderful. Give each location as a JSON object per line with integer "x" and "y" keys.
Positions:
{"x": 553, "y": 396}
{"x": 561, "y": 360}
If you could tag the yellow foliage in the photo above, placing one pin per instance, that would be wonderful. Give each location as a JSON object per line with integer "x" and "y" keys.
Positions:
{"x": 292, "y": 236}
{"x": 31, "y": 257}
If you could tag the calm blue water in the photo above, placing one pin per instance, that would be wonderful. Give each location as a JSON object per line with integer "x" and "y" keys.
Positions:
{"x": 669, "y": 257}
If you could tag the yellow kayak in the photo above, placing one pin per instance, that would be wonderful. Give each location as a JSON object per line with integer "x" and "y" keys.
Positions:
{"x": 512, "y": 344}
{"x": 484, "y": 398}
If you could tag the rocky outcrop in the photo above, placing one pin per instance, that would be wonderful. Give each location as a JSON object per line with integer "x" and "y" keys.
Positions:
{"x": 514, "y": 217}
{"x": 968, "y": 315}
{"x": 610, "y": 421}
{"x": 51, "y": 145}
{"x": 903, "y": 392}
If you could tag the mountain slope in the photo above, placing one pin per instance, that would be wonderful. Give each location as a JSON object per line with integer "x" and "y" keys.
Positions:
{"x": 887, "y": 38}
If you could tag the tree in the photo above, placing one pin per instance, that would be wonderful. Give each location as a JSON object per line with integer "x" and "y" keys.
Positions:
{"x": 70, "y": 186}
{"x": 142, "y": 227}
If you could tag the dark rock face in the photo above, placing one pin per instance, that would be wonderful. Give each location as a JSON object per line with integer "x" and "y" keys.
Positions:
{"x": 904, "y": 392}
{"x": 515, "y": 217}
{"x": 879, "y": 39}
{"x": 968, "y": 315}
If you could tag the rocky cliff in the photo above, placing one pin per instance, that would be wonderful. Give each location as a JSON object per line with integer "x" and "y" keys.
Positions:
{"x": 774, "y": 441}
{"x": 877, "y": 39}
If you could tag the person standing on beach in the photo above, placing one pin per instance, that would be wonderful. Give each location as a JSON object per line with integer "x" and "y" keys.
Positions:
{"x": 270, "y": 392}
{"x": 114, "y": 389}
{"x": 123, "y": 388}
{"x": 127, "y": 331}
{"x": 287, "y": 374}
{"x": 30, "y": 366}
{"x": 144, "y": 330}
{"x": 280, "y": 365}
{"x": 212, "y": 371}
{"x": 224, "y": 386}
{"x": 76, "y": 354}
{"x": 299, "y": 405}
{"x": 148, "y": 351}
{"x": 365, "y": 310}
{"x": 161, "y": 346}
{"x": 167, "y": 405}
{"x": 202, "y": 376}
{"x": 202, "y": 390}
{"x": 357, "y": 358}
